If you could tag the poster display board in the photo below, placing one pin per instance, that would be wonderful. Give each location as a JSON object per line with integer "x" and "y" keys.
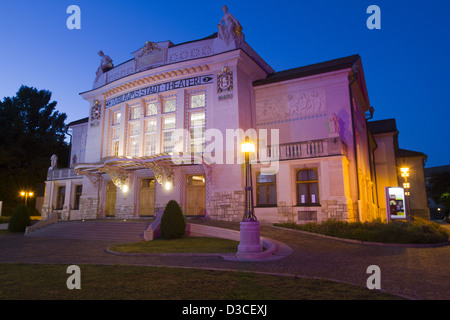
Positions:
{"x": 395, "y": 203}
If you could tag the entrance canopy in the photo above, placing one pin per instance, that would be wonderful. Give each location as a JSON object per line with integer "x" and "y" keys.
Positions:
{"x": 121, "y": 169}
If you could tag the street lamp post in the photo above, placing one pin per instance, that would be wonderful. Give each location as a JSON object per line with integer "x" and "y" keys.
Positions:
{"x": 249, "y": 214}
{"x": 250, "y": 243}
{"x": 406, "y": 185}
{"x": 26, "y": 194}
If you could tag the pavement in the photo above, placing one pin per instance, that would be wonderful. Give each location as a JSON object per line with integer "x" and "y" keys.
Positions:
{"x": 420, "y": 273}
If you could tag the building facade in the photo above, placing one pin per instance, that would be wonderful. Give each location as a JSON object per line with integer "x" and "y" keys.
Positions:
{"x": 167, "y": 124}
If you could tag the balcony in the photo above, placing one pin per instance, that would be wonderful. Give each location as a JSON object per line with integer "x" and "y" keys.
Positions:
{"x": 304, "y": 149}
{"x": 61, "y": 174}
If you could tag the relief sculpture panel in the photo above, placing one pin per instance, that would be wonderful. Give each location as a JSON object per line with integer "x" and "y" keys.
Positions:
{"x": 290, "y": 107}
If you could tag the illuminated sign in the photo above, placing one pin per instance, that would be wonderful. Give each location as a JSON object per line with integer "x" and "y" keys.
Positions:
{"x": 395, "y": 203}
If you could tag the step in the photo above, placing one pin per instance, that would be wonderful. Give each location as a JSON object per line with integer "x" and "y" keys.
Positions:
{"x": 94, "y": 230}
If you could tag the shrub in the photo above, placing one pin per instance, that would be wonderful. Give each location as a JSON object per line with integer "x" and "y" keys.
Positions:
{"x": 173, "y": 225}
{"x": 417, "y": 231}
{"x": 19, "y": 220}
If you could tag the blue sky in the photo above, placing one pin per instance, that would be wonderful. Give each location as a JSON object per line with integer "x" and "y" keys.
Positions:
{"x": 406, "y": 62}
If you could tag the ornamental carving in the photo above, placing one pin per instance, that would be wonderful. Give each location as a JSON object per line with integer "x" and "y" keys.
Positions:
{"x": 225, "y": 80}
{"x": 96, "y": 112}
{"x": 291, "y": 106}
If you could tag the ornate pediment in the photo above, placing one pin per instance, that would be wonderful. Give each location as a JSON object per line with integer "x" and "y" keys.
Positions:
{"x": 152, "y": 54}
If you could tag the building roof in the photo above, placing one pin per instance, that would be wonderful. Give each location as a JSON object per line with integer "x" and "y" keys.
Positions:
{"x": 403, "y": 153}
{"x": 383, "y": 126}
{"x": 439, "y": 169}
{"x": 74, "y": 123}
{"x": 318, "y": 68}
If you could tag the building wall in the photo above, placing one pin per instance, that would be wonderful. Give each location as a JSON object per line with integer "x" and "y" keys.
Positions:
{"x": 417, "y": 201}
{"x": 386, "y": 168}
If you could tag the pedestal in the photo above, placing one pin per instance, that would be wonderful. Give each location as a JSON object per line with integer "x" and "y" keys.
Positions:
{"x": 250, "y": 242}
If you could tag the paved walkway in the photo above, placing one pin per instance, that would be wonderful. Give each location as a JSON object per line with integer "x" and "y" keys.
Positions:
{"x": 416, "y": 273}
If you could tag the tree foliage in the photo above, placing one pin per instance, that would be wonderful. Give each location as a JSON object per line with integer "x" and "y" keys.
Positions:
{"x": 173, "y": 225}
{"x": 31, "y": 130}
{"x": 439, "y": 189}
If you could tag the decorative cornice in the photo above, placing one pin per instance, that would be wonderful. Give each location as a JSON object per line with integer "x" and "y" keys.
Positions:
{"x": 156, "y": 78}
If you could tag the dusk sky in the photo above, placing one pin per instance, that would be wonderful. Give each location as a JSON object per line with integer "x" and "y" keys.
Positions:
{"x": 406, "y": 62}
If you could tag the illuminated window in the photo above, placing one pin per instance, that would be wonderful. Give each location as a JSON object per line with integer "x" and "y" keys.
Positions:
{"x": 133, "y": 140}
{"x": 196, "y": 120}
{"x": 170, "y": 105}
{"x": 266, "y": 190}
{"x": 150, "y": 137}
{"x": 152, "y": 109}
{"x": 115, "y": 141}
{"x": 135, "y": 112}
{"x": 197, "y": 101}
{"x": 307, "y": 187}
{"x": 168, "y": 134}
{"x": 197, "y": 131}
{"x": 116, "y": 118}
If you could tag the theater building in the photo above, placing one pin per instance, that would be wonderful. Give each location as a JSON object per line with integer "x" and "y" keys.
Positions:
{"x": 316, "y": 156}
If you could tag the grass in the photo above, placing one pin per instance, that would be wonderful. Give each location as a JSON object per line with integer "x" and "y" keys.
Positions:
{"x": 183, "y": 245}
{"x": 117, "y": 282}
{"x": 420, "y": 231}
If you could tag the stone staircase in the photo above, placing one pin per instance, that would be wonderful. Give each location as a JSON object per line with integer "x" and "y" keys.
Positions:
{"x": 94, "y": 230}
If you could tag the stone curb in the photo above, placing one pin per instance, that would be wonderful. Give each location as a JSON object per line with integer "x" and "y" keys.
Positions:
{"x": 272, "y": 252}
{"x": 381, "y": 244}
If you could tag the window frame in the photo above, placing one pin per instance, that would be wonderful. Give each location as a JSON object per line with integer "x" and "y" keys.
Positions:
{"x": 60, "y": 198}
{"x": 307, "y": 183}
{"x": 266, "y": 187}
{"x": 77, "y": 196}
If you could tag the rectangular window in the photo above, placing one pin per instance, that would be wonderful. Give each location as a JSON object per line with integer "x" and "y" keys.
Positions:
{"x": 116, "y": 118}
{"x": 135, "y": 112}
{"x": 152, "y": 109}
{"x": 60, "y": 197}
{"x": 168, "y": 134}
{"x": 197, "y": 131}
{"x": 150, "y": 137}
{"x": 114, "y": 133}
{"x": 197, "y": 101}
{"x": 170, "y": 105}
{"x": 307, "y": 187}
{"x": 266, "y": 189}
{"x": 78, "y": 191}
{"x": 133, "y": 140}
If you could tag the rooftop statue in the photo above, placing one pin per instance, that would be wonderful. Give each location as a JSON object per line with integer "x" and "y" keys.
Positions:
{"x": 53, "y": 161}
{"x": 229, "y": 28}
{"x": 105, "y": 64}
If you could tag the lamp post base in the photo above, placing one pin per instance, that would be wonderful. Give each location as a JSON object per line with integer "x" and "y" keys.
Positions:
{"x": 250, "y": 242}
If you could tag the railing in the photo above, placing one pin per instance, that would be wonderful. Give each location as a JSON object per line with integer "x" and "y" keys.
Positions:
{"x": 53, "y": 218}
{"x": 59, "y": 174}
{"x": 303, "y": 149}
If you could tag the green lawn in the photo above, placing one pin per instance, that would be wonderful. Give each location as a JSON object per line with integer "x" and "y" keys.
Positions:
{"x": 183, "y": 245}
{"x": 118, "y": 282}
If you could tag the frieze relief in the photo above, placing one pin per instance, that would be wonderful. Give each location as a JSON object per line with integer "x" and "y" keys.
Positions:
{"x": 189, "y": 53}
{"x": 291, "y": 106}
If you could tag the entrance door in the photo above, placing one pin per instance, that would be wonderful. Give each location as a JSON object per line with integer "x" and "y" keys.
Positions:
{"x": 147, "y": 197}
{"x": 195, "y": 195}
{"x": 111, "y": 190}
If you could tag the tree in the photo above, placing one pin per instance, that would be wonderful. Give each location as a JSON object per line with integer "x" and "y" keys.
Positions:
{"x": 31, "y": 130}
{"x": 439, "y": 189}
